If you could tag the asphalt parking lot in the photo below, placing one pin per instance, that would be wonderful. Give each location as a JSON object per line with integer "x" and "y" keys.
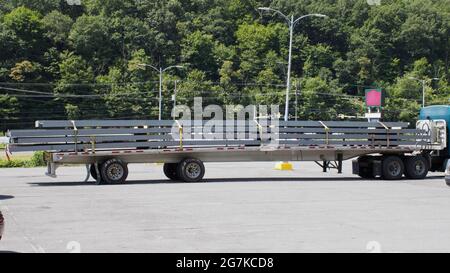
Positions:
{"x": 242, "y": 207}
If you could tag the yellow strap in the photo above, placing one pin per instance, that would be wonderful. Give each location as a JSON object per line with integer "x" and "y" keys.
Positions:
{"x": 93, "y": 144}
{"x": 180, "y": 131}
{"x": 327, "y": 131}
{"x": 75, "y": 129}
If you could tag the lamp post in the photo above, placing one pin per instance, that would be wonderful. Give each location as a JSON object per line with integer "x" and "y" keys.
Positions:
{"x": 423, "y": 82}
{"x": 292, "y": 22}
{"x": 161, "y": 72}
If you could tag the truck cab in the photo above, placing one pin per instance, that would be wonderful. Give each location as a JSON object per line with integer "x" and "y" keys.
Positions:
{"x": 436, "y": 121}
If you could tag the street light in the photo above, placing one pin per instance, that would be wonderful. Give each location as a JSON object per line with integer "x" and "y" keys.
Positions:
{"x": 160, "y": 71}
{"x": 291, "y": 23}
{"x": 423, "y": 87}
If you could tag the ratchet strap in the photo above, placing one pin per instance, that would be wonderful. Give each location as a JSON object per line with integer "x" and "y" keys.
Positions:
{"x": 75, "y": 134}
{"x": 387, "y": 132}
{"x": 327, "y": 132}
{"x": 180, "y": 131}
{"x": 93, "y": 144}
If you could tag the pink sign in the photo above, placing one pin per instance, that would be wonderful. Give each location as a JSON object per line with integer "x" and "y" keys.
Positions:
{"x": 374, "y": 98}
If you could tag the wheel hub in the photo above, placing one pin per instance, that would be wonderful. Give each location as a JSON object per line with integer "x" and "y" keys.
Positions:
{"x": 115, "y": 172}
{"x": 193, "y": 170}
{"x": 419, "y": 167}
{"x": 394, "y": 168}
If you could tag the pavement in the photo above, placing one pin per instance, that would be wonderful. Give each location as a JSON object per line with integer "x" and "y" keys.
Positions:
{"x": 241, "y": 207}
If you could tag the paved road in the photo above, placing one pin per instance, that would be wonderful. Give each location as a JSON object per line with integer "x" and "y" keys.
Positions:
{"x": 243, "y": 207}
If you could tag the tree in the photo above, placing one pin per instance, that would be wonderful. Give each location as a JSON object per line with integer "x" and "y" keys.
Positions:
{"x": 198, "y": 53}
{"x": 254, "y": 41}
{"x": 9, "y": 109}
{"x": 87, "y": 55}
{"x": 90, "y": 38}
{"x": 322, "y": 100}
{"x": 319, "y": 60}
{"x": 42, "y": 6}
{"x": 23, "y": 31}
{"x": 124, "y": 100}
{"x": 74, "y": 89}
{"x": 57, "y": 28}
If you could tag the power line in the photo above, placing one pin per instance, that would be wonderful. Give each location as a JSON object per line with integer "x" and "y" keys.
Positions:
{"x": 65, "y": 95}
{"x": 76, "y": 84}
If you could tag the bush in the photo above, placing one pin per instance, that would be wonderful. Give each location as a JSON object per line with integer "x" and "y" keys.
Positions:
{"x": 14, "y": 163}
{"x": 37, "y": 160}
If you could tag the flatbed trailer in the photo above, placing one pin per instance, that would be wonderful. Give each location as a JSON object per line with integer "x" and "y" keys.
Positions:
{"x": 106, "y": 147}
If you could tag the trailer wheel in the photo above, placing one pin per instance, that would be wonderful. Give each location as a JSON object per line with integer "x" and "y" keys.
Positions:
{"x": 365, "y": 168}
{"x": 170, "y": 170}
{"x": 93, "y": 172}
{"x": 393, "y": 168}
{"x": 416, "y": 167}
{"x": 366, "y": 173}
{"x": 114, "y": 171}
{"x": 191, "y": 170}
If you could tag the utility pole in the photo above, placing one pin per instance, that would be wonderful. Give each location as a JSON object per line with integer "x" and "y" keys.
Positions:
{"x": 296, "y": 100}
{"x": 291, "y": 22}
{"x": 423, "y": 82}
{"x": 161, "y": 72}
{"x": 174, "y": 97}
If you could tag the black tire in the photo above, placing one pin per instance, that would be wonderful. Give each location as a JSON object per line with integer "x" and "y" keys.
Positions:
{"x": 191, "y": 170}
{"x": 416, "y": 167}
{"x": 366, "y": 174}
{"x": 170, "y": 170}
{"x": 365, "y": 168}
{"x": 393, "y": 168}
{"x": 93, "y": 172}
{"x": 114, "y": 171}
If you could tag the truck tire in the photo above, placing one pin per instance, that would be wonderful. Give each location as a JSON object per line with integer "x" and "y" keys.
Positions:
{"x": 416, "y": 167}
{"x": 93, "y": 172}
{"x": 170, "y": 170}
{"x": 392, "y": 168}
{"x": 191, "y": 170}
{"x": 365, "y": 168}
{"x": 366, "y": 174}
{"x": 114, "y": 171}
